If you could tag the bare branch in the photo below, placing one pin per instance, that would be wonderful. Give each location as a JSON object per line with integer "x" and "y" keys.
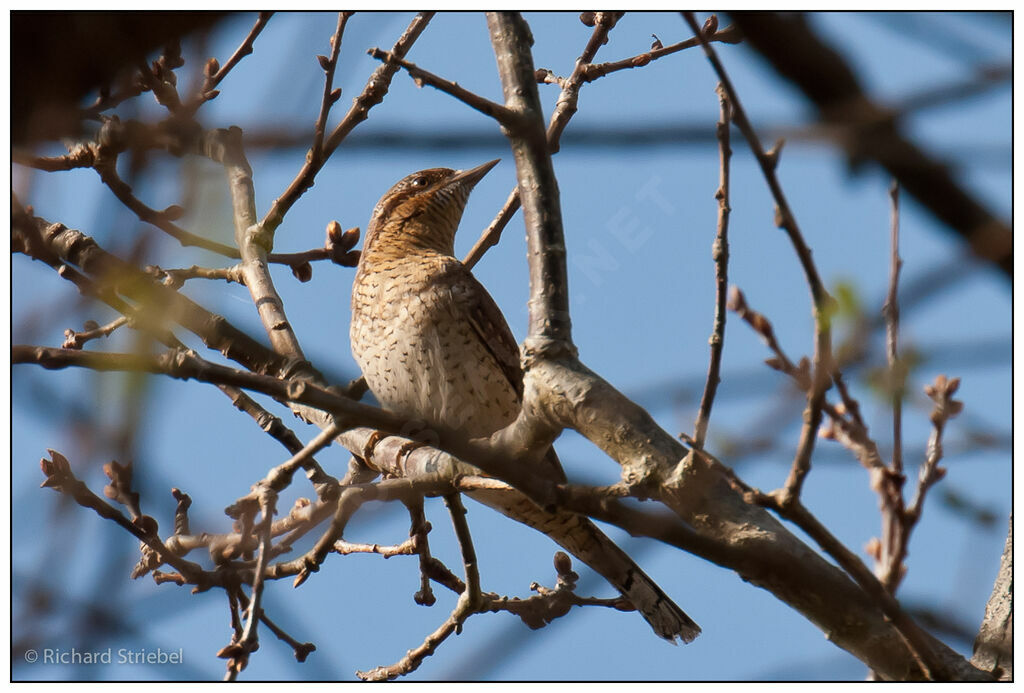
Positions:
{"x": 565, "y": 108}
{"x": 253, "y": 240}
{"x": 55, "y": 244}
{"x": 941, "y": 393}
{"x": 105, "y": 165}
{"x": 330, "y": 95}
{"x": 727, "y": 34}
{"x": 60, "y": 478}
{"x": 280, "y": 477}
{"x": 895, "y": 529}
{"x": 76, "y": 340}
{"x": 181, "y": 364}
{"x": 720, "y": 254}
{"x": 503, "y": 115}
{"x": 372, "y": 94}
{"x": 469, "y": 603}
{"x": 891, "y": 311}
{"x": 418, "y": 530}
{"x": 249, "y": 641}
{"x": 550, "y": 326}
{"x": 786, "y": 220}
{"x": 993, "y": 648}
{"x": 215, "y": 73}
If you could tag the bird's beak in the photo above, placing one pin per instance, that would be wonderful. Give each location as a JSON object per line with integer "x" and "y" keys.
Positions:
{"x": 472, "y": 176}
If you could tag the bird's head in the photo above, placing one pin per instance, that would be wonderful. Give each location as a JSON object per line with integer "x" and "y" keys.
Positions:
{"x": 423, "y": 210}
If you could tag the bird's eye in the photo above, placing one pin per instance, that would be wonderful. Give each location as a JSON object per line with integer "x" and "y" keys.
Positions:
{"x": 419, "y": 182}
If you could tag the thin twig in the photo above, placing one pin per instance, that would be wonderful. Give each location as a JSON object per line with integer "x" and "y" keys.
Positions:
{"x": 330, "y": 95}
{"x": 406, "y": 548}
{"x": 280, "y": 477}
{"x": 60, "y": 478}
{"x": 469, "y": 603}
{"x": 457, "y": 511}
{"x": 727, "y": 34}
{"x": 350, "y": 500}
{"x": 185, "y": 365}
{"x": 104, "y": 160}
{"x": 821, "y": 300}
{"x": 210, "y": 82}
{"x": 505, "y": 116}
{"x": 891, "y": 311}
{"x": 76, "y": 340}
{"x": 139, "y": 319}
{"x": 176, "y": 278}
{"x": 794, "y": 511}
{"x": 791, "y": 508}
{"x": 720, "y": 254}
{"x": 419, "y": 528}
{"x": 106, "y": 166}
{"x": 894, "y": 536}
{"x": 301, "y": 650}
{"x": 373, "y": 93}
{"x": 79, "y": 156}
{"x": 249, "y": 642}
{"x": 852, "y": 432}
{"x": 941, "y": 392}
{"x": 146, "y": 79}
{"x": 565, "y": 108}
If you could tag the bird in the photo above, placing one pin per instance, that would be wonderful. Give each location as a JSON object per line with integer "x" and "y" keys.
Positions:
{"x": 433, "y": 346}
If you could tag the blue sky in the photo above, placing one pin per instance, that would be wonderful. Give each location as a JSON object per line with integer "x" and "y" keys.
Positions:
{"x": 639, "y": 224}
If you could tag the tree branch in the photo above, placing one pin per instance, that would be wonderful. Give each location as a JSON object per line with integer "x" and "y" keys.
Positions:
{"x": 720, "y": 254}
{"x": 565, "y": 108}
{"x": 372, "y": 94}
{"x": 503, "y": 115}
{"x": 550, "y": 326}
{"x": 785, "y": 219}
{"x": 993, "y": 648}
{"x": 215, "y": 73}
{"x": 867, "y": 131}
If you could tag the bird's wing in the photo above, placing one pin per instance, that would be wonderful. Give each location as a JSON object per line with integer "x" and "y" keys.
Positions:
{"x": 489, "y": 324}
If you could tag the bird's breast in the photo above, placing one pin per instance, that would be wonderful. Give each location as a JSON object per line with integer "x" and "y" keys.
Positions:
{"x": 420, "y": 353}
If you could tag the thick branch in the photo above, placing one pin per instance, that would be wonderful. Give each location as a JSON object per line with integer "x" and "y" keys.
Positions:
{"x": 993, "y": 649}
{"x": 564, "y": 110}
{"x": 549, "y": 283}
{"x": 745, "y": 537}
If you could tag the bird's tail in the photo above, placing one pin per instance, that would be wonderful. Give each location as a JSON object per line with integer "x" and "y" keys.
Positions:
{"x": 582, "y": 538}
